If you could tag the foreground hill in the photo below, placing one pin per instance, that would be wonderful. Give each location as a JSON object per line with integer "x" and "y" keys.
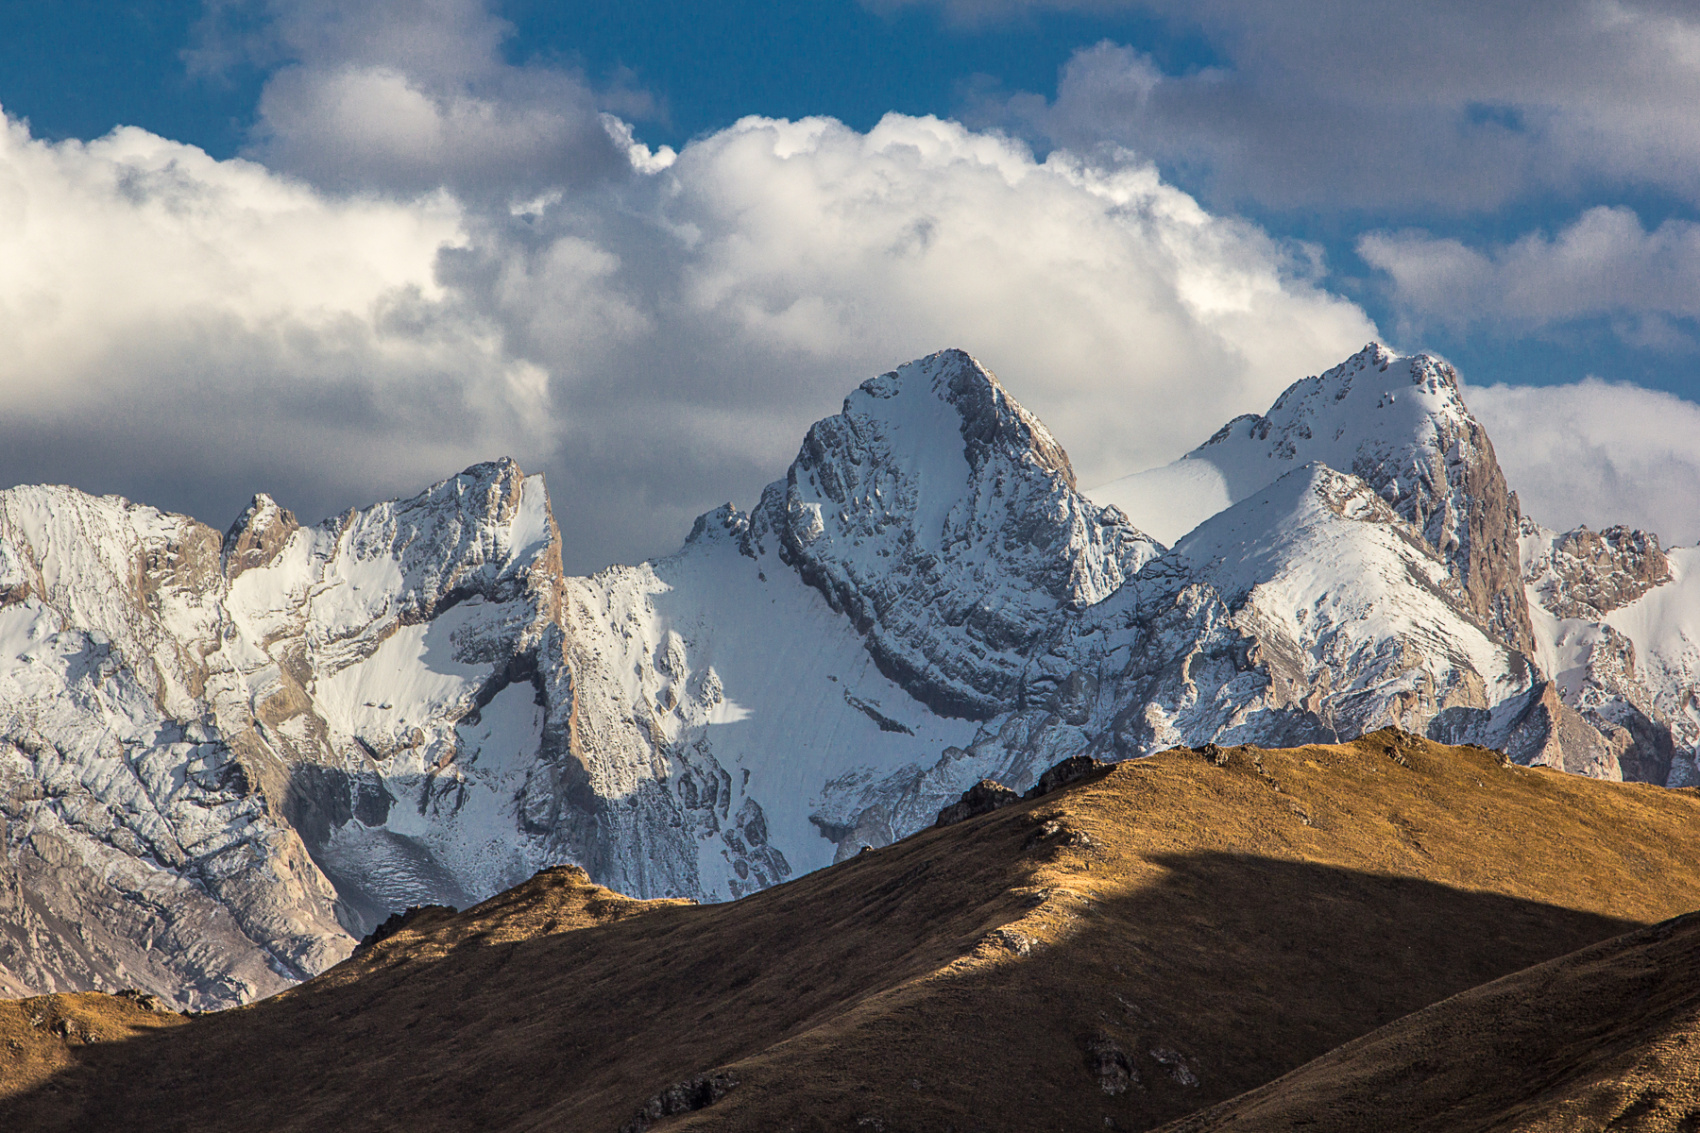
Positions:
{"x": 1605, "y": 1038}
{"x": 1163, "y": 936}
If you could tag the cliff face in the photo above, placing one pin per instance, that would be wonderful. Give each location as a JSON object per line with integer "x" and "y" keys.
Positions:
{"x": 1585, "y": 574}
{"x": 1616, "y": 617}
{"x": 197, "y": 734}
{"x": 237, "y": 755}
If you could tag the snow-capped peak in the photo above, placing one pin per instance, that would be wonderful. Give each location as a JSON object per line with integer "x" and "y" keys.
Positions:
{"x": 1397, "y": 422}
{"x": 942, "y": 517}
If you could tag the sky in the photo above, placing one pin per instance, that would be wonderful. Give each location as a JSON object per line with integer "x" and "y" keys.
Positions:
{"x": 337, "y": 251}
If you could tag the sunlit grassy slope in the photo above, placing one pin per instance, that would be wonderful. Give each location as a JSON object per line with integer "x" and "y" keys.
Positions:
{"x": 1160, "y": 938}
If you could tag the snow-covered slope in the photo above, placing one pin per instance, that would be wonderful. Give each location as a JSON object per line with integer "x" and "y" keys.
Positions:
{"x": 1307, "y": 612}
{"x": 729, "y": 699}
{"x": 195, "y": 722}
{"x": 126, "y": 813}
{"x": 233, "y": 756}
{"x": 412, "y": 704}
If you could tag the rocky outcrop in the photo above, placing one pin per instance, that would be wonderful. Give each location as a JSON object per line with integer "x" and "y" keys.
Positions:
{"x": 688, "y": 1096}
{"x": 1617, "y": 631}
{"x": 1586, "y": 574}
{"x": 982, "y": 798}
{"x": 258, "y": 536}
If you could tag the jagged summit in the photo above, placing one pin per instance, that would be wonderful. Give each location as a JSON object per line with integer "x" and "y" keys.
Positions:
{"x": 1372, "y": 412}
{"x": 1367, "y": 416}
{"x": 258, "y": 535}
{"x": 942, "y": 517}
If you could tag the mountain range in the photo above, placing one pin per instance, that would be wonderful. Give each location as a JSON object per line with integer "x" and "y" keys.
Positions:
{"x": 225, "y": 758}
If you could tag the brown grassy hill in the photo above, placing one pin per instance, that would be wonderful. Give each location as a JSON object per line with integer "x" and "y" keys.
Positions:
{"x": 1605, "y": 1038}
{"x": 1114, "y": 955}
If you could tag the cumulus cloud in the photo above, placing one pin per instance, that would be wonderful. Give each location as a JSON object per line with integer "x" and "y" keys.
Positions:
{"x": 1604, "y": 265}
{"x": 187, "y": 331}
{"x": 1383, "y": 104}
{"x": 1598, "y": 453}
{"x": 347, "y": 316}
{"x": 410, "y": 95}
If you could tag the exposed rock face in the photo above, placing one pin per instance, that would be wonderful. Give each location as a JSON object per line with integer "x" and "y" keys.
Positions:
{"x": 236, "y": 756}
{"x": 194, "y": 767}
{"x": 128, "y": 805}
{"x": 1430, "y": 460}
{"x": 258, "y": 536}
{"x": 982, "y": 798}
{"x": 1615, "y": 620}
{"x": 688, "y": 1096}
{"x": 1307, "y": 611}
{"x": 1584, "y": 574}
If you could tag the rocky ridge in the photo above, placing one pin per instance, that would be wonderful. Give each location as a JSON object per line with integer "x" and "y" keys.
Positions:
{"x": 238, "y": 755}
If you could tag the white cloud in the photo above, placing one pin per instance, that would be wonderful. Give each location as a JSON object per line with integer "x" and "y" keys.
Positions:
{"x": 1605, "y": 264}
{"x": 425, "y": 269}
{"x": 782, "y": 262}
{"x": 176, "y": 322}
{"x": 187, "y": 331}
{"x": 1598, "y": 453}
{"x": 409, "y": 95}
{"x": 1385, "y": 104}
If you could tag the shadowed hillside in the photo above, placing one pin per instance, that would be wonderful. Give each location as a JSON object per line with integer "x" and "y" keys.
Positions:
{"x": 1605, "y": 1038}
{"x": 1174, "y": 932}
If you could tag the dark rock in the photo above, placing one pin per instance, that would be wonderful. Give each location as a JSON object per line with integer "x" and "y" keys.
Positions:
{"x": 1215, "y": 753}
{"x": 145, "y": 999}
{"x": 982, "y": 798}
{"x": 1176, "y": 1066}
{"x": 681, "y": 1097}
{"x": 1062, "y": 833}
{"x": 1071, "y": 770}
{"x": 1111, "y": 1065}
{"x": 398, "y": 921}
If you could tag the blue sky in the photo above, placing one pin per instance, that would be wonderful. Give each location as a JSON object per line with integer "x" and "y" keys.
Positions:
{"x": 511, "y": 261}
{"x": 79, "y": 68}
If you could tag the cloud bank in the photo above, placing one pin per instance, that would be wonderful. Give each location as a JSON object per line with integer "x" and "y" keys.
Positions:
{"x": 1598, "y": 453}
{"x": 1434, "y": 113}
{"x": 1604, "y": 265}
{"x": 188, "y": 331}
{"x": 1452, "y": 106}
{"x": 409, "y": 96}
{"x": 435, "y": 256}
